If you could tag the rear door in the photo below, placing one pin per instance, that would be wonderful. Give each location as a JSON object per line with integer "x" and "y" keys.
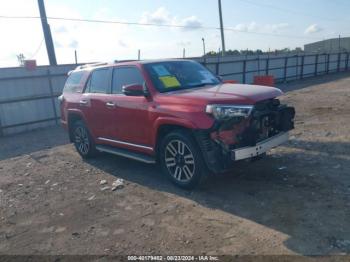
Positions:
{"x": 94, "y": 101}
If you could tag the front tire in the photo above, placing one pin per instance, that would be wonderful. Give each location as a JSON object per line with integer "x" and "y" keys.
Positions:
{"x": 83, "y": 141}
{"x": 181, "y": 159}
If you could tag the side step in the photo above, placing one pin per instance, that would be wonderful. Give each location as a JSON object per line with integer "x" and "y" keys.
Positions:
{"x": 126, "y": 153}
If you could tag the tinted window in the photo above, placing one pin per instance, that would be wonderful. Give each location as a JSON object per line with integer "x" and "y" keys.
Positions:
{"x": 73, "y": 82}
{"x": 124, "y": 76}
{"x": 99, "y": 81}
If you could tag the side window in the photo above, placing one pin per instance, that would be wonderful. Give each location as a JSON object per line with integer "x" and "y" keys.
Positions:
{"x": 73, "y": 82}
{"x": 123, "y": 76}
{"x": 99, "y": 81}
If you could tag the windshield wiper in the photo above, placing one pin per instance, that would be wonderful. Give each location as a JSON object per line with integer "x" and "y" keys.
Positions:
{"x": 201, "y": 85}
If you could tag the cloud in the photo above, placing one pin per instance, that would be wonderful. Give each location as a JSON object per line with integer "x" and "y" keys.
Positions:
{"x": 191, "y": 23}
{"x": 73, "y": 44}
{"x": 123, "y": 44}
{"x": 261, "y": 28}
{"x": 161, "y": 16}
{"x": 61, "y": 29}
{"x": 183, "y": 43}
{"x": 312, "y": 29}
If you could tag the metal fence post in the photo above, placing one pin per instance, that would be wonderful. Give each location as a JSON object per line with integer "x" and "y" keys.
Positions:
{"x": 347, "y": 62}
{"x": 296, "y": 66}
{"x": 1, "y": 131}
{"x": 302, "y": 67}
{"x": 52, "y": 96}
{"x": 316, "y": 65}
{"x": 267, "y": 65}
{"x": 328, "y": 58}
{"x": 217, "y": 68}
{"x": 285, "y": 68}
{"x": 338, "y": 64}
{"x": 244, "y": 71}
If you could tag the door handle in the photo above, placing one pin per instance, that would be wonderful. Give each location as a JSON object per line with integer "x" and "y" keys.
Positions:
{"x": 111, "y": 105}
{"x": 83, "y": 102}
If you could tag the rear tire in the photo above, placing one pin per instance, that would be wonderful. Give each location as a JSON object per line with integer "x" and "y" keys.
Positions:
{"x": 181, "y": 160}
{"x": 83, "y": 141}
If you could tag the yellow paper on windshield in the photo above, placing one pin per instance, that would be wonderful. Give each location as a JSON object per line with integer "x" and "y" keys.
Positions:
{"x": 170, "y": 81}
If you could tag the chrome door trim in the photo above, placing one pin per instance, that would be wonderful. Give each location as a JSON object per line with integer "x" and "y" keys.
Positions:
{"x": 125, "y": 143}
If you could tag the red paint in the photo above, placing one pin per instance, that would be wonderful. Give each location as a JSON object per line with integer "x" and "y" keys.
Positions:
{"x": 137, "y": 119}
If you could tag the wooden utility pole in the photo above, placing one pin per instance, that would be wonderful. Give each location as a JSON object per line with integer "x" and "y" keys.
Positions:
{"x": 222, "y": 29}
{"x": 47, "y": 34}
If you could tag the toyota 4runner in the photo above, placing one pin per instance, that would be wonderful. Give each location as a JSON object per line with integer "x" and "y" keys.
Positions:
{"x": 175, "y": 112}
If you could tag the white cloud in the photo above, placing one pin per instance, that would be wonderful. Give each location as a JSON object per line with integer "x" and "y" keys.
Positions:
{"x": 161, "y": 16}
{"x": 184, "y": 43}
{"x": 191, "y": 23}
{"x": 312, "y": 29}
{"x": 261, "y": 28}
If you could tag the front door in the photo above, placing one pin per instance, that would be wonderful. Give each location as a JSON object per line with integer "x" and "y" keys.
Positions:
{"x": 131, "y": 124}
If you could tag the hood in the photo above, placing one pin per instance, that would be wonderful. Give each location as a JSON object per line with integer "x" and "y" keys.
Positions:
{"x": 227, "y": 93}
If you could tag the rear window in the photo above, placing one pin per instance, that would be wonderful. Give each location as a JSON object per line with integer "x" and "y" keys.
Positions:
{"x": 73, "y": 82}
{"x": 99, "y": 81}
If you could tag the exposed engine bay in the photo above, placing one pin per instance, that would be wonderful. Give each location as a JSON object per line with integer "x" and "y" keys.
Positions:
{"x": 267, "y": 119}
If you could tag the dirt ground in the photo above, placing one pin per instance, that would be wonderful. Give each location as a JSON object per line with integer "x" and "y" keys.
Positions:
{"x": 295, "y": 201}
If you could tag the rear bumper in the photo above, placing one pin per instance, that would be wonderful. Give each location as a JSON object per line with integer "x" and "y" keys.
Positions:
{"x": 260, "y": 148}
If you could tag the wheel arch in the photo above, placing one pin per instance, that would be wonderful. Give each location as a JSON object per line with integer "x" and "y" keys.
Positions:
{"x": 72, "y": 117}
{"x": 167, "y": 126}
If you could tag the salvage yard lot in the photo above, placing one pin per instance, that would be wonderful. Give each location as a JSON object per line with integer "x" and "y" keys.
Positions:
{"x": 295, "y": 201}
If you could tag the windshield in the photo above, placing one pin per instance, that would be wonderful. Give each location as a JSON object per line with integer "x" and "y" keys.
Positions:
{"x": 179, "y": 75}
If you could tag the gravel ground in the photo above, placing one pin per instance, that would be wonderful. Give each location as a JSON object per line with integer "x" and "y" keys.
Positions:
{"x": 295, "y": 201}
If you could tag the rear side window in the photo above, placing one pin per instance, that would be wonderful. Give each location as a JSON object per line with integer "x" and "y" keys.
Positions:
{"x": 124, "y": 76}
{"x": 73, "y": 82}
{"x": 99, "y": 81}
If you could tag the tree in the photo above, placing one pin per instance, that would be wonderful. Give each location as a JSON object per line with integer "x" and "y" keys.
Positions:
{"x": 21, "y": 59}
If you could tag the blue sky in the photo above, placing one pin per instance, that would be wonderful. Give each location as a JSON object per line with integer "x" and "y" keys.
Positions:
{"x": 253, "y": 24}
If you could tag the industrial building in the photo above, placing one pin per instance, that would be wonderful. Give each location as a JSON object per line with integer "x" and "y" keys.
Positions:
{"x": 329, "y": 46}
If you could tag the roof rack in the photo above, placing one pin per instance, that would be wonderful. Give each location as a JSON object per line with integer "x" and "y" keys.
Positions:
{"x": 124, "y": 61}
{"x": 91, "y": 65}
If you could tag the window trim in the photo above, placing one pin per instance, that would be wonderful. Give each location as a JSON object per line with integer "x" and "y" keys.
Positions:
{"x": 122, "y": 67}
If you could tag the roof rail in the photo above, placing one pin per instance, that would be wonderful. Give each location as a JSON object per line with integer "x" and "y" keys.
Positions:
{"x": 91, "y": 65}
{"x": 124, "y": 61}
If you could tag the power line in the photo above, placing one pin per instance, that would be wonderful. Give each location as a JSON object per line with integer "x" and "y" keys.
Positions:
{"x": 281, "y": 9}
{"x": 37, "y": 50}
{"x": 160, "y": 25}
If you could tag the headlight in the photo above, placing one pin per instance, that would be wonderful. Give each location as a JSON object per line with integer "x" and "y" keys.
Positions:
{"x": 222, "y": 112}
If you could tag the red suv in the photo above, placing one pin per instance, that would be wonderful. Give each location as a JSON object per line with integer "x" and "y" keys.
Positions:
{"x": 175, "y": 112}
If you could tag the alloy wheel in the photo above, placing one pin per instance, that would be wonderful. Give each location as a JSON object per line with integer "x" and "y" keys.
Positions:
{"x": 82, "y": 140}
{"x": 179, "y": 160}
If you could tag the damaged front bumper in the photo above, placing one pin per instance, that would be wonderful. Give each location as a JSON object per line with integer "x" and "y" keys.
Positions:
{"x": 260, "y": 148}
{"x": 233, "y": 140}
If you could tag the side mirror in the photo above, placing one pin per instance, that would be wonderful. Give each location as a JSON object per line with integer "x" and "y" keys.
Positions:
{"x": 134, "y": 90}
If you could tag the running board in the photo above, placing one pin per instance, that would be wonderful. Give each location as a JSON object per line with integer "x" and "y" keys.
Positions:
{"x": 125, "y": 153}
